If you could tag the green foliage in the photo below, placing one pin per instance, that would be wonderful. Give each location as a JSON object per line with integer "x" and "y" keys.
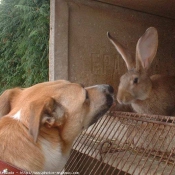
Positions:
{"x": 24, "y": 42}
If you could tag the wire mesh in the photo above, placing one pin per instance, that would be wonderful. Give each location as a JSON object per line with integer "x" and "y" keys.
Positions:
{"x": 124, "y": 143}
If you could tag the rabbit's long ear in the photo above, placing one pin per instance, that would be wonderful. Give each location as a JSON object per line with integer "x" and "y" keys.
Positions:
{"x": 146, "y": 48}
{"x": 127, "y": 57}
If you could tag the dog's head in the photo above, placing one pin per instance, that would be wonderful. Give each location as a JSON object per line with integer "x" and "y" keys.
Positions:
{"x": 61, "y": 105}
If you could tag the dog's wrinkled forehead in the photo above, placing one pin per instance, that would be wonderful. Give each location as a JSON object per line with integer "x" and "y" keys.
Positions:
{"x": 57, "y": 90}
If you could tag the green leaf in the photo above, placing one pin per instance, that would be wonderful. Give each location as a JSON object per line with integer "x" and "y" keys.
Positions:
{"x": 24, "y": 39}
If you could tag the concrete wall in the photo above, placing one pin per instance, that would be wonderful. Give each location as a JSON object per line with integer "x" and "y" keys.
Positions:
{"x": 81, "y": 52}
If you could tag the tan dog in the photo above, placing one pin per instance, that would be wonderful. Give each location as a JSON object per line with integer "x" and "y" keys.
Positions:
{"x": 41, "y": 122}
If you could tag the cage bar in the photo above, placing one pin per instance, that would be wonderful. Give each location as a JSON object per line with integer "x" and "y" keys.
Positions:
{"x": 124, "y": 143}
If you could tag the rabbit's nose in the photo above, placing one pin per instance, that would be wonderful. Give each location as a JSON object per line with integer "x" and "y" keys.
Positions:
{"x": 124, "y": 97}
{"x": 119, "y": 100}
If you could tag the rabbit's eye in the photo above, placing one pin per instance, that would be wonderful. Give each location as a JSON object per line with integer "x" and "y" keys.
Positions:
{"x": 135, "y": 81}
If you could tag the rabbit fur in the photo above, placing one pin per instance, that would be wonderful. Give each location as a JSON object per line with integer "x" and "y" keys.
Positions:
{"x": 147, "y": 94}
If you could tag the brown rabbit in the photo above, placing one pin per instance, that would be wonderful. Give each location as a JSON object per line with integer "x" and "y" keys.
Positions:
{"x": 150, "y": 95}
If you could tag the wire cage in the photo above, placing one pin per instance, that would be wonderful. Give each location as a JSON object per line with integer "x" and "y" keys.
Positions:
{"x": 124, "y": 143}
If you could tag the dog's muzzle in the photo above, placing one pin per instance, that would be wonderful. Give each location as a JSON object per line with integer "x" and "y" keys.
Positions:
{"x": 109, "y": 96}
{"x": 109, "y": 93}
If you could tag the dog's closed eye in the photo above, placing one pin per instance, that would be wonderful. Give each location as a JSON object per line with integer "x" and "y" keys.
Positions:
{"x": 87, "y": 95}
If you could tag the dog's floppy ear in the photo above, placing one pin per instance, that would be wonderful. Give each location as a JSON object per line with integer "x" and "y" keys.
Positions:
{"x": 42, "y": 112}
{"x": 6, "y": 100}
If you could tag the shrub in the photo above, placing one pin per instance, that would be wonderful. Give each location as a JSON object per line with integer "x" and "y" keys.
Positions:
{"x": 24, "y": 42}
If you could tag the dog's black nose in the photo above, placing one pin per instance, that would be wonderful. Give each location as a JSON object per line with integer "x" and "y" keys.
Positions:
{"x": 109, "y": 95}
{"x": 110, "y": 89}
